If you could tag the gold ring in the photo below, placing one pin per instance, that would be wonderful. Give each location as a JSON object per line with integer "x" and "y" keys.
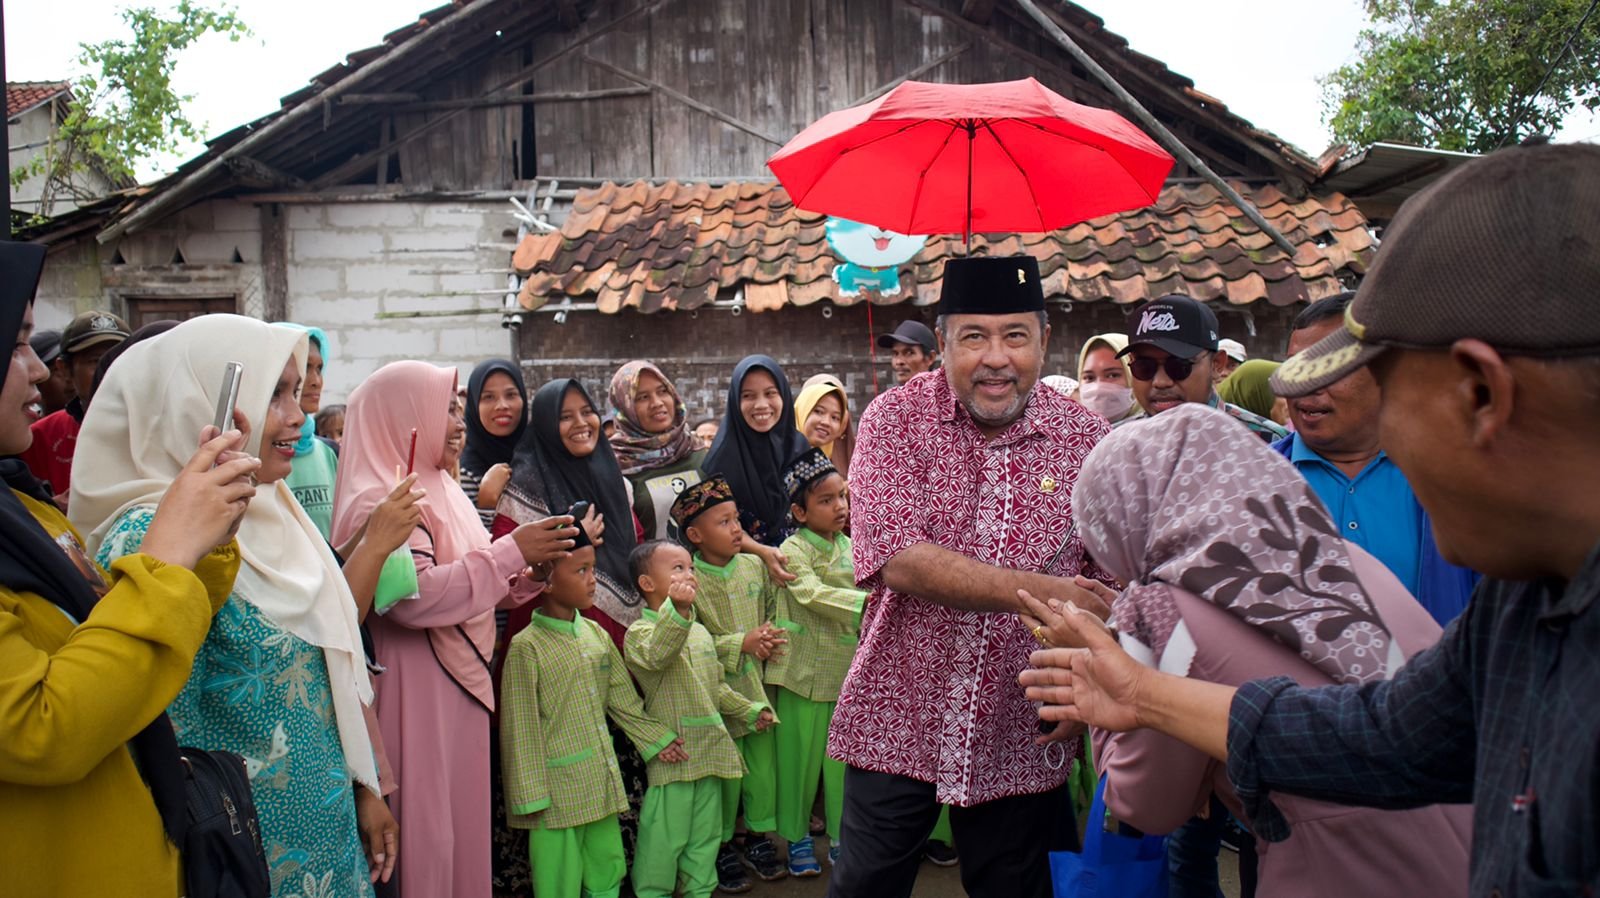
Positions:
{"x": 1042, "y": 637}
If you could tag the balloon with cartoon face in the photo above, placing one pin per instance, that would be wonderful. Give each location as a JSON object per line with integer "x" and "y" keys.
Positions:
{"x": 872, "y": 256}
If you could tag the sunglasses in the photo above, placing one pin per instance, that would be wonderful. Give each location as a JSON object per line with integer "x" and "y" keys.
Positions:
{"x": 1177, "y": 369}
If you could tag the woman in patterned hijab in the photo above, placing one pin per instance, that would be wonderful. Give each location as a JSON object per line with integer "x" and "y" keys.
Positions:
{"x": 1234, "y": 571}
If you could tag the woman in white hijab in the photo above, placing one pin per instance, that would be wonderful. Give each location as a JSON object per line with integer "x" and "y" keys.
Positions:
{"x": 280, "y": 679}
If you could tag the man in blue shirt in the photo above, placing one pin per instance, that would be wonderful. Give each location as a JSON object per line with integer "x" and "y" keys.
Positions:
{"x": 1335, "y": 447}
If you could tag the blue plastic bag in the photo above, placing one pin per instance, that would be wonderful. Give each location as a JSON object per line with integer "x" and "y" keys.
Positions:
{"x": 1111, "y": 865}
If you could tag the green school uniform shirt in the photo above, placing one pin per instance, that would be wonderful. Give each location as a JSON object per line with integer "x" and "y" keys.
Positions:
{"x": 821, "y": 610}
{"x": 676, "y": 662}
{"x": 561, "y": 680}
{"x": 733, "y": 600}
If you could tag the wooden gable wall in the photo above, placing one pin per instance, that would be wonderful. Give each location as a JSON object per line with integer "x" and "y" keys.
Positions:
{"x": 708, "y": 89}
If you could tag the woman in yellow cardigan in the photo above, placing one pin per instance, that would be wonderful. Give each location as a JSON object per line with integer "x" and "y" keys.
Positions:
{"x": 91, "y": 792}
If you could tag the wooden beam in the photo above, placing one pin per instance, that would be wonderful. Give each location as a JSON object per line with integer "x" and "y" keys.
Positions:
{"x": 254, "y": 173}
{"x": 275, "y": 262}
{"x": 1162, "y": 136}
{"x": 566, "y": 96}
{"x": 567, "y": 14}
{"x": 1148, "y": 80}
{"x": 378, "y": 99}
{"x": 194, "y": 184}
{"x": 345, "y": 171}
{"x": 683, "y": 98}
{"x": 977, "y": 10}
{"x": 923, "y": 69}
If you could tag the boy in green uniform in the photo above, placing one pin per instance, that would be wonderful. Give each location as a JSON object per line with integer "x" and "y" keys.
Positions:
{"x": 735, "y": 603}
{"x": 821, "y": 612}
{"x": 676, "y": 662}
{"x": 563, "y": 674}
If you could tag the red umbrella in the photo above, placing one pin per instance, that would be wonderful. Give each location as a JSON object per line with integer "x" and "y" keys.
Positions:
{"x": 957, "y": 158}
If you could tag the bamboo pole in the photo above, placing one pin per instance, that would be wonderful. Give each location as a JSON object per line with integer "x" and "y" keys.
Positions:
{"x": 1159, "y": 131}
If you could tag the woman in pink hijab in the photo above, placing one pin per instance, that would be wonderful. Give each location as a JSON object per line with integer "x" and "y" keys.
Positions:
{"x": 1234, "y": 571}
{"x": 434, "y": 699}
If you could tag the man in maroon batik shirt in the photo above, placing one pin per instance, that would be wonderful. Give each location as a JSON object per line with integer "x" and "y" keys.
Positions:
{"x": 961, "y": 488}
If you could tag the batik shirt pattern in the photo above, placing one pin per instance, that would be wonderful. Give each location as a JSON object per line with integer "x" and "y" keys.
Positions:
{"x": 933, "y": 692}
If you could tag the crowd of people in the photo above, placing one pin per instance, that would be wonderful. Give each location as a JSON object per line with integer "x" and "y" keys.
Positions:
{"x": 474, "y": 640}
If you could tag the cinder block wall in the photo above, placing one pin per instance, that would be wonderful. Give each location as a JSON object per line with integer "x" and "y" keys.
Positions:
{"x": 349, "y": 262}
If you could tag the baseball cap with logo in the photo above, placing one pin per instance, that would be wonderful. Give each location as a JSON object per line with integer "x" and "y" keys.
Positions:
{"x": 1503, "y": 250}
{"x": 92, "y": 329}
{"x": 1175, "y": 324}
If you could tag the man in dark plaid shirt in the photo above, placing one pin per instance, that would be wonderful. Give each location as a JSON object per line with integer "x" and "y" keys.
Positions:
{"x": 1481, "y": 322}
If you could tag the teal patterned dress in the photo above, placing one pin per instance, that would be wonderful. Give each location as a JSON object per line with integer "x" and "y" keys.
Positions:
{"x": 261, "y": 692}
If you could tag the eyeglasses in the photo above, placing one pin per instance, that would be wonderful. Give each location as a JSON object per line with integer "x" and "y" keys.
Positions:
{"x": 1176, "y": 368}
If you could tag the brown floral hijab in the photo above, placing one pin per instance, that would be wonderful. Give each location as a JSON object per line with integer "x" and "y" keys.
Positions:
{"x": 1192, "y": 499}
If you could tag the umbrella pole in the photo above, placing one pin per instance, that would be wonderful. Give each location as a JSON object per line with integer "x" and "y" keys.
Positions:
{"x": 971, "y": 136}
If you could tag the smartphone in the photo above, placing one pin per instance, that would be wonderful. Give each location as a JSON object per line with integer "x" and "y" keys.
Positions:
{"x": 579, "y": 510}
{"x": 228, "y": 397}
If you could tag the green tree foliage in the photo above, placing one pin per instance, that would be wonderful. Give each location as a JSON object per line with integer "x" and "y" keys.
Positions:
{"x": 124, "y": 107}
{"x": 1463, "y": 74}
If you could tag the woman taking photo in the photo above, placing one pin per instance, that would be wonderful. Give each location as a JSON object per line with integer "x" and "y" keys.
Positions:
{"x": 90, "y": 778}
{"x": 281, "y": 678}
{"x": 434, "y": 700}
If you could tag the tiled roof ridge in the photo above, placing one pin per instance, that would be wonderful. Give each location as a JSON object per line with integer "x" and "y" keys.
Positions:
{"x": 22, "y": 96}
{"x": 677, "y": 244}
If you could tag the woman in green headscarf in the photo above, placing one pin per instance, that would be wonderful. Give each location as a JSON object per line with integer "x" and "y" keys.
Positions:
{"x": 1247, "y": 388}
{"x": 315, "y": 464}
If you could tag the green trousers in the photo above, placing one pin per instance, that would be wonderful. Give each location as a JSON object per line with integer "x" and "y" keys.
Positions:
{"x": 803, "y": 764}
{"x": 577, "y": 861}
{"x": 758, "y": 788}
{"x": 680, "y": 829}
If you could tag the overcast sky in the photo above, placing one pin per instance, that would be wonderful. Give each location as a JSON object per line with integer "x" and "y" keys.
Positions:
{"x": 1260, "y": 57}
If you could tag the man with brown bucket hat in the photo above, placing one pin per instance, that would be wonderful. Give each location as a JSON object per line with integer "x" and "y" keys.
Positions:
{"x": 1481, "y": 322}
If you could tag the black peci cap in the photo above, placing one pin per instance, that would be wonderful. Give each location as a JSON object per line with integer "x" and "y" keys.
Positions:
{"x": 991, "y": 285}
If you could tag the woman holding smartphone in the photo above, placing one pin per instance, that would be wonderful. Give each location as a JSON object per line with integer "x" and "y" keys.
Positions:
{"x": 437, "y": 643}
{"x": 280, "y": 679}
{"x": 90, "y": 777}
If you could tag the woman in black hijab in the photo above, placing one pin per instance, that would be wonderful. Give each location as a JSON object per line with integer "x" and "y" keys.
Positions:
{"x": 563, "y": 458}
{"x": 496, "y": 416}
{"x": 89, "y": 769}
{"x": 756, "y": 442}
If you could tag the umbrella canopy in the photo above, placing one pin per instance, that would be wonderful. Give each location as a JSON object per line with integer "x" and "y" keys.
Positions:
{"x": 958, "y": 158}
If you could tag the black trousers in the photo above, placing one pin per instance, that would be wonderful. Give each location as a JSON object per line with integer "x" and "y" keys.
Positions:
{"x": 1003, "y": 844}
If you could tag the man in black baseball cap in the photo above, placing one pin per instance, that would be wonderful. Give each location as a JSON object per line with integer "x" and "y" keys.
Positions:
{"x": 55, "y": 436}
{"x": 1480, "y": 321}
{"x": 1173, "y": 357}
{"x": 56, "y": 392}
{"x": 912, "y": 350}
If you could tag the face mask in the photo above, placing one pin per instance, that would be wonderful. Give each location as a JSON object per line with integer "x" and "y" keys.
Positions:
{"x": 1110, "y": 401}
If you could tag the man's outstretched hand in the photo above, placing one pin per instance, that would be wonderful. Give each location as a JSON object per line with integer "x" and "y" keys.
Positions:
{"x": 1097, "y": 685}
